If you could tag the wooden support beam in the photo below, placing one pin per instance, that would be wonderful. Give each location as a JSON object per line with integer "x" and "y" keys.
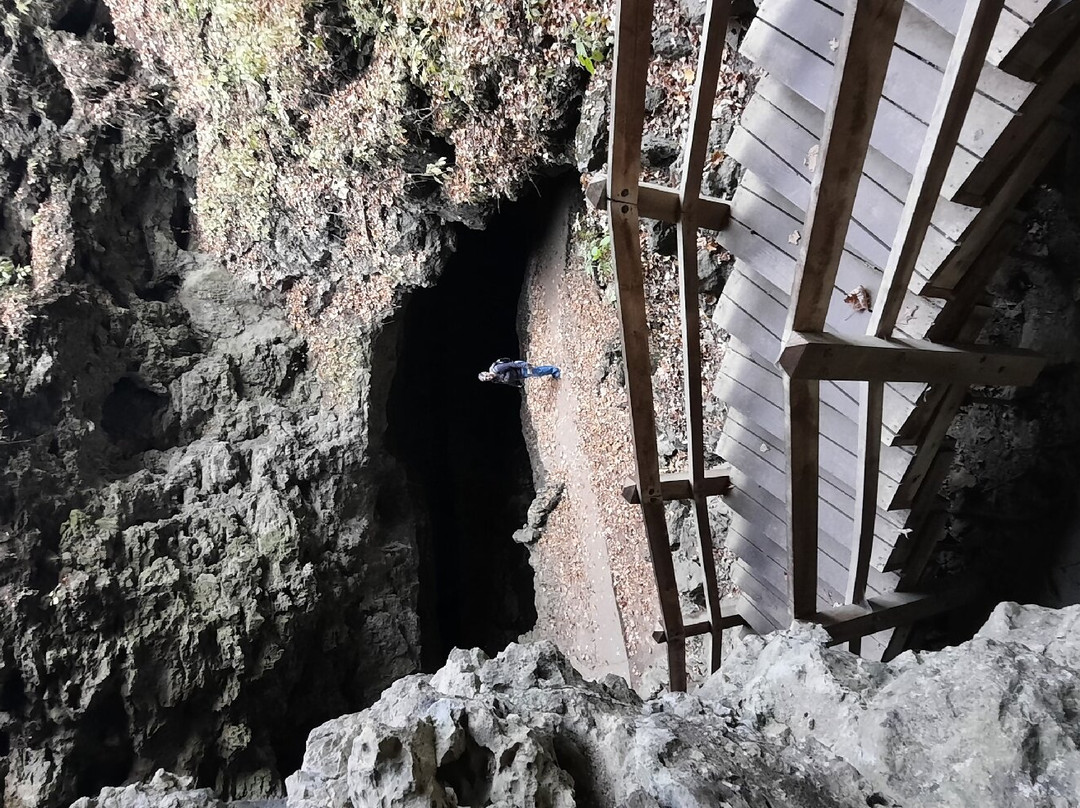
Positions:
{"x": 1014, "y": 143}
{"x": 633, "y": 44}
{"x": 863, "y": 59}
{"x": 731, "y": 619}
{"x": 697, "y": 140}
{"x": 710, "y": 57}
{"x": 882, "y": 612}
{"x": 827, "y": 356}
{"x": 802, "y": 410}
{"x": 716, "y": 482}
{"x": 977, "y": 26}
{"x": 633, "y": 48}
{"x": 626, "y": 255}
{"x": 1054, "y": 28}
{"x": 663, "y": 204}
{"x": 872, "y": 396}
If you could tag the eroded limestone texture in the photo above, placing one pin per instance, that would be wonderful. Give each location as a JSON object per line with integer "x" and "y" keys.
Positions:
{"x": 787, "y": 721}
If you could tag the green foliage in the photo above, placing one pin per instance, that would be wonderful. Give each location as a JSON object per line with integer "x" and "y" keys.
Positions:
{"x": 12, "y": 274}
{"x": 598, "y": 259}
{"x": 534, "y": 9}
{"x": 592, "y": 39}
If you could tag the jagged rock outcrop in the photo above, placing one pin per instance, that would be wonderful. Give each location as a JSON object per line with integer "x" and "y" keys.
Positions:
{"x": 787, "y": 721}
{"x": 993, "y": 722}
{"x": 526, "y": 729}
{"x": 192, "y": 558}
{"x": 163, "y": 790}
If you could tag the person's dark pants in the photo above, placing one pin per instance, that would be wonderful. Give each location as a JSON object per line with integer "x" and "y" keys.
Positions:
{"x": 543, "y": 370}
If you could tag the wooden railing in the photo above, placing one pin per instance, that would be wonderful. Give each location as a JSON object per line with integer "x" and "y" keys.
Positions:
{"x": 809, "y": 353}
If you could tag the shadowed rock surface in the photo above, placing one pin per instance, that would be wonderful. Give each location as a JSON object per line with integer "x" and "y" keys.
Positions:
{"x": 207, "y": 213}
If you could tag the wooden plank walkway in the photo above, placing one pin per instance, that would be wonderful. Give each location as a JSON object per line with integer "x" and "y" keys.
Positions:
{"x": 921, "y": 152}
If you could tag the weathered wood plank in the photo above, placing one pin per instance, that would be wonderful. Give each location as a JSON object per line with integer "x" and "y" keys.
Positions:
{"x": 838, "y": 436}
{"x": 896, "y": 134}
{"x": 773, "y": 571}
{"x": 861, "y": 65}
{"x": 930, "y": 42}
{"x": 714, "y": 483}
{"x": 761, "y": 459}
{"x": 626, "y": 255}
{"x": 832, "y": 554}
{"x": 912, "y": 80}
{"x": 757, "y": 618}
{"x": 950, "y": 218}
{"x": 658, "y": 202}
{"x": 767, "y": 602}
{"x": 701, "y": 104}
{"x": 999, "y": 209}
{"x": 767, "y": 156}
{"x": 824, "y": 356}
{"x": 1013, "y": 27}
{"x": 752, "y": 310}
{"x": 801, "y": 408}
{"x": 758, "y": 507}
{"x": 839, "y": 399}
{"x": 1014, "y": 141}
{"x": 633, "y": 47}
{"x": 888, "y": 611}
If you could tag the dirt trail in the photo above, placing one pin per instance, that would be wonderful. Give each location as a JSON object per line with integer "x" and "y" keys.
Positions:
{"x": 595, "y": 595}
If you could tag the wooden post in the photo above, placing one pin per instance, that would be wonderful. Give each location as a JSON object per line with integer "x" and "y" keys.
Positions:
{"x": 633, "y": 41}
{"x": 697, "y": 140}
{"x": 802, "y": 408}
{"x": 626, "y": 254}
{"x": 863, "y": 60}
{"x": 864, "y": 51}
{"x": 977, "y": 26}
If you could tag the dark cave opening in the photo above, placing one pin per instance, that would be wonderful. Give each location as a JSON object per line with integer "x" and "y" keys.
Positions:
{"x": 107, "y": 754}
{"x": 129, "y": 414}
{"x": 461, "y": 441}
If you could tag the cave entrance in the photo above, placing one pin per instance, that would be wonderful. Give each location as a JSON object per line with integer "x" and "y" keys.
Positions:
{"x": 462, "y": 443}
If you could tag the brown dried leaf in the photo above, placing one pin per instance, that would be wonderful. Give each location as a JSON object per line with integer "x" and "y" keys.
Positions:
{"x": 859, "y": 299}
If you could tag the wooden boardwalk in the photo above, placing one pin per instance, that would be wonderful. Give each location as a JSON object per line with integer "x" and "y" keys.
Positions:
{"x": 894, "y": 171}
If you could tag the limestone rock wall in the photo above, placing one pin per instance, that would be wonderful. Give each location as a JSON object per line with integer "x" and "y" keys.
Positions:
{"x": 192, "y": 564}
{"x": 787, "y": 721}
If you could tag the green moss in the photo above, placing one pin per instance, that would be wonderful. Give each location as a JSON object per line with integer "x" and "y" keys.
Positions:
{"x": 12, "y": 274}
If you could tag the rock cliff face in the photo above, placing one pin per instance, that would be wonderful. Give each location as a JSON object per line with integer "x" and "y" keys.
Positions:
{"x": 208, "y": 210}
{"x": 994, "y": 722}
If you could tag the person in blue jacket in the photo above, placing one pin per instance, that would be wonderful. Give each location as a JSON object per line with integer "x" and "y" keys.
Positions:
{"x": 513, "y": 372}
